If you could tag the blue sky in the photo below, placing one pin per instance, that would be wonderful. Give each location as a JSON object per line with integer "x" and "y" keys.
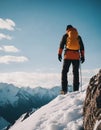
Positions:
{"x": 31, "y": 30}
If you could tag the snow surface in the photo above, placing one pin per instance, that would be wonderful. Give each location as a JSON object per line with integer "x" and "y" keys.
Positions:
{"x": 63, "y": 113}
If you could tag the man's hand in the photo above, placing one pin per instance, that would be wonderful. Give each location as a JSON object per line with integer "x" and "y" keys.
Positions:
{"x": 82, "y": 59}
{"x": 59, "y": 57}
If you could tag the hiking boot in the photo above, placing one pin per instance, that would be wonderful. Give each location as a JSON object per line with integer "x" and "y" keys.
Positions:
{"x": 63, "y": 92}
{"x": 76, "y": 88}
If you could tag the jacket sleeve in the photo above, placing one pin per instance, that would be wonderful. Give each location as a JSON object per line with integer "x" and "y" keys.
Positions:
{"x": 82, "y": 50}
{"x": 62, "y": 44}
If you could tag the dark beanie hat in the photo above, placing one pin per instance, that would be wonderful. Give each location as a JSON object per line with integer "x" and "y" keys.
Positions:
{"x": 69, "y": 26}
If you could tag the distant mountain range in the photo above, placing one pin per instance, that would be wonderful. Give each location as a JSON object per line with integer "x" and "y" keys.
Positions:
{"x": 15, "y": 101}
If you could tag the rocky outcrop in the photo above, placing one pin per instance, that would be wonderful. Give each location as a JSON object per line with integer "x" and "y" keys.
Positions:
{"x": 92, "y": 104}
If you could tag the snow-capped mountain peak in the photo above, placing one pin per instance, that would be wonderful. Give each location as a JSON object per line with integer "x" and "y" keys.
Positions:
{"x": 16, "y": 101}
{"x": 8, "y": 94}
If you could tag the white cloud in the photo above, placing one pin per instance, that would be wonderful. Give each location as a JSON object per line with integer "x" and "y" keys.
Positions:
{"x": 46, "y": 80}
{"x": 7, "y": 48}
{"x": 3, "y": 36}
{"x": 8, "y": 59}
{"x": 7, "y": 24}
{"x": 31, "y": 79}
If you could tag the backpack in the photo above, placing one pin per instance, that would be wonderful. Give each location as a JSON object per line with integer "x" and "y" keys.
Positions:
{"x": 72, "y": 42}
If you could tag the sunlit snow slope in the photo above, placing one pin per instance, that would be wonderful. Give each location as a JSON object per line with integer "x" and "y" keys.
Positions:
{"x": 63, "y": 113}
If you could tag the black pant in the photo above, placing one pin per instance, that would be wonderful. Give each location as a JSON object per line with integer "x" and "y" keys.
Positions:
{"x": 65, "y": 70}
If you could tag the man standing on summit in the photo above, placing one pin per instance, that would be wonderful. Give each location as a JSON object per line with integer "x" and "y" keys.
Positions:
{"x": 73, "y": 54}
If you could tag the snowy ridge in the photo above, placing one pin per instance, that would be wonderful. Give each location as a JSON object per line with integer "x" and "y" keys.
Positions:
{"x": 10, "y": 94}
{"x": 63, "y": 113}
